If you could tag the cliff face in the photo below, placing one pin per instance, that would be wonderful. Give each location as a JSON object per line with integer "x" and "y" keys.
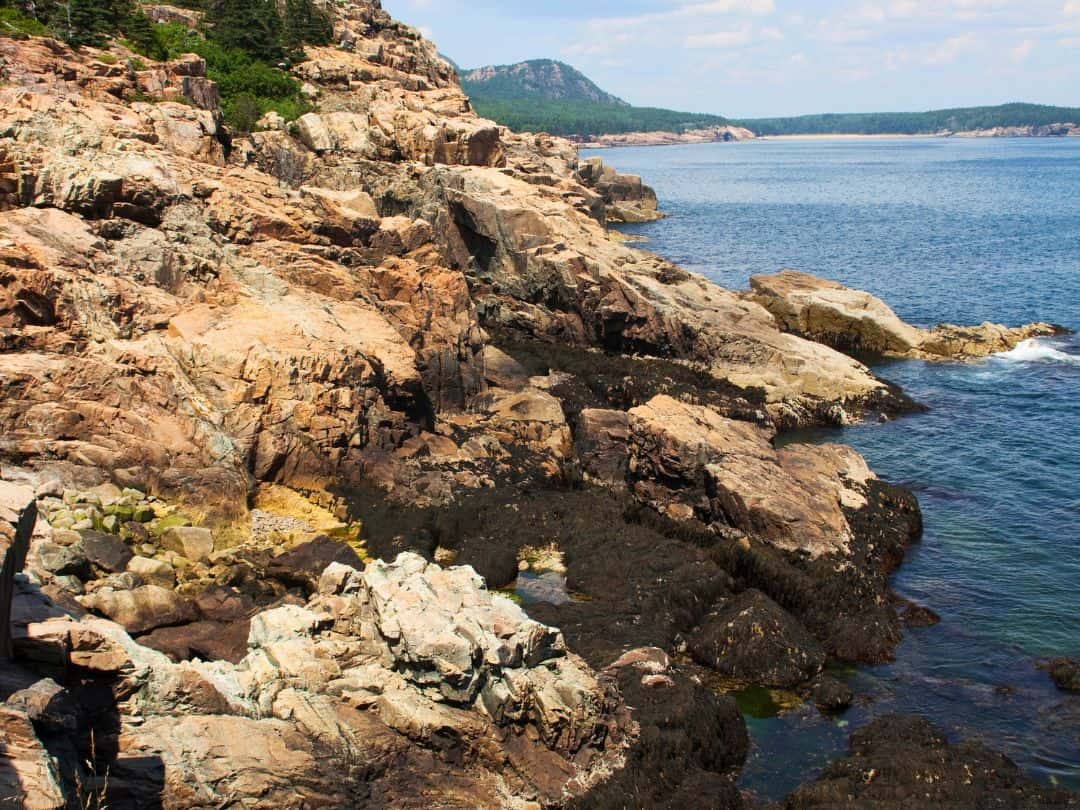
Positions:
{"x": 191, "y": 311}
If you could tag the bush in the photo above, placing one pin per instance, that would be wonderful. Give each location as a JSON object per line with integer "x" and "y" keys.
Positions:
{"x": 242, "y": 112}
{"x": 13, "y": 21}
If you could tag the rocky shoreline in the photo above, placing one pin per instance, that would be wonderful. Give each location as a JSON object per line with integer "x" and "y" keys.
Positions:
{"x": 288, "y": 417}
{"x": 724, "y": 134}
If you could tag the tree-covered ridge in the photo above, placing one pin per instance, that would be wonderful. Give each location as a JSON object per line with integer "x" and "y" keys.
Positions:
{"x": 962, "y": 119}
{"x": 588, "y": 118}
{"x": 542, "y": 79}
{"x": 246, "y": 43}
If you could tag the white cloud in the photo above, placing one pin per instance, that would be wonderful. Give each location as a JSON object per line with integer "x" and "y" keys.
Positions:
{"x": 719, "y": 39}
{"x": 933, "y": 55}
{"x": 1022, "y": 51}
{"x": 1072, "y": 8}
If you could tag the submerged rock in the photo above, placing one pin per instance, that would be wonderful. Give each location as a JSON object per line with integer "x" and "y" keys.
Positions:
{"x": 1065, "y": 672}
{"x": 901, "y": 761}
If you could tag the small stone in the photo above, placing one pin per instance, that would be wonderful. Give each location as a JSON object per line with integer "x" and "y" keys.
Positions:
{"x": 195, "y": 544}
{"x": 172, "y": 521}
{"x": 830, "y": 694}
{"x": 153, "y": 572}
{"x": 135, "y": 533}
{"x": 126, "y": 581}
{"x": 65, "y": 537}
{"x": 54, "y": 487}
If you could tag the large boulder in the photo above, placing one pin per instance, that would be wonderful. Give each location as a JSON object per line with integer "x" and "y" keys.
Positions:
{"x": 752, "y": 639}
{"x": 856, "y": 321}
{"x": 141, "y": 609}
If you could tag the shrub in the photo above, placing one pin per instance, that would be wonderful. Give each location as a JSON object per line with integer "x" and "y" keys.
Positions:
{"x": 13, "y": 21}
{"x": 242, "y": 112}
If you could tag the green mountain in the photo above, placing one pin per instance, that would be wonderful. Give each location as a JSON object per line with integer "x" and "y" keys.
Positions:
{"x": 548, "y": 96}
{"x": 543, "y": 79}
{"x": 955, "y": 120}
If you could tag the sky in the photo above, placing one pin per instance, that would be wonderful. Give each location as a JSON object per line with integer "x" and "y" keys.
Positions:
{"x": 758, "y": 58}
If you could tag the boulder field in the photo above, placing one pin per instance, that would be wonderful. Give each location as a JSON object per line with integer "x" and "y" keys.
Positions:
{"x": 283, "y": 414}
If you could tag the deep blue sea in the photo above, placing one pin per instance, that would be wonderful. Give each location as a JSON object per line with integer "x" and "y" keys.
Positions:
{"x": 943, "y": 230}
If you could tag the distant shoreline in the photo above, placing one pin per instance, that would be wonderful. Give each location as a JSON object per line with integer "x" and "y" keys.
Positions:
{"x": 637, "y": 139}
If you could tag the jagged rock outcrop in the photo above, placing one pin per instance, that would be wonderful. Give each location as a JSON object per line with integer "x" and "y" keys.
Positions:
{"x": 1063, "y": 130}
{"x": 626, "y": 197}
{"x": 401, "y": 680}
{"x": 855, "y": 321}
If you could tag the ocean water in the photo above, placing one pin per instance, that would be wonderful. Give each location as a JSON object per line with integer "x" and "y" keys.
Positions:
{"x": 943, "y": 230}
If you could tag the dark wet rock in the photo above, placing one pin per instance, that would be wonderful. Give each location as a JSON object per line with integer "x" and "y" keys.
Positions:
{"x": 106, "y": 552}
{"x": 206, "y": 640}
{"x": 752, "y": 639}
{"x": 639, "y": 587}
{"x": 900, "y": 761}
{"x": 224, "y": 604}
{"x": 602, "y": 436}
{"x": 1065, "y": 672}
{"x": 830, "y": 694}
{"x": 601, "y": 379}
{"x": 691, "y": 744}
{"x": 495, "y": 559}
{"x": 913, "y": 615}
{"x": 302, "y": 565}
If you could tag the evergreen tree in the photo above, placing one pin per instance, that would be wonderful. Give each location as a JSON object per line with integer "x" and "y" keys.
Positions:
{"x": 82, "y": 21}
{"x": 305, "y": 24}
{"x": 252, "y": 26}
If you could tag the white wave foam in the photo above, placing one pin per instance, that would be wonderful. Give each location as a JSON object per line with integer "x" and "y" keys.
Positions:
{"x": 1036, "y": 351}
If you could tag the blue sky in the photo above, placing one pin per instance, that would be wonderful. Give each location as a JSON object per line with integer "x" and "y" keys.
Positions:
{"x": 750, "y": 58}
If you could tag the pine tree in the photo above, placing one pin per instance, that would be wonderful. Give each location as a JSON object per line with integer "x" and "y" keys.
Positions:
{"x": 252, "y": 26}
{"x": 83, "y": 21}
{"x": 305, "y": 24}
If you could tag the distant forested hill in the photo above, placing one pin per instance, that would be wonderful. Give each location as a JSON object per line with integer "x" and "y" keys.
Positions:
{"x": 955, "y": 120}
{"x": 548, "y": 96}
